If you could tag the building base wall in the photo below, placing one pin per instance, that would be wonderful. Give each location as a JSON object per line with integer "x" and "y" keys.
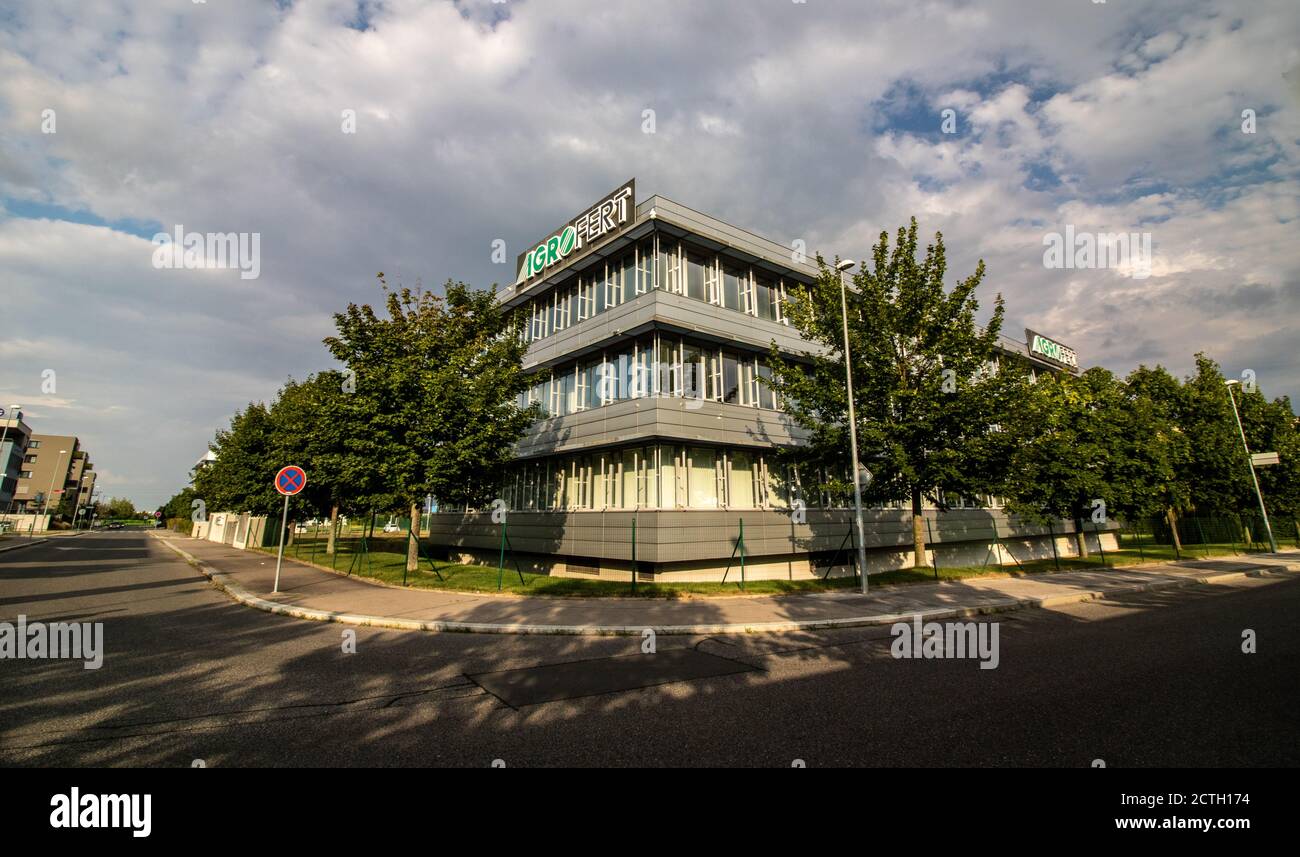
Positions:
{"x": 960, "y": 548}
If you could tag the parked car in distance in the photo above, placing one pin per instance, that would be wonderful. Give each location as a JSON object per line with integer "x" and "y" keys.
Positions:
{"x": 114, "y": 525}
{"x": 391, "y": 527}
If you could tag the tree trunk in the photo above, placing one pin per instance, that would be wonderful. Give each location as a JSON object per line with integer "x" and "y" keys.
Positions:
{"x": 413, "y": 541}
{"x": 288, "y": 537}
{"x": 1080, "y": 537}
{"x": 918, "y": 531}
{"x": 334, "y": 526}
{"x": 1173, "y": 529}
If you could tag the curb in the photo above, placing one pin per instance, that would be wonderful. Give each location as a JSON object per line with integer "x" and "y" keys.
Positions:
{"x": 23, "y": 544}
{"x": 223, "y": 582}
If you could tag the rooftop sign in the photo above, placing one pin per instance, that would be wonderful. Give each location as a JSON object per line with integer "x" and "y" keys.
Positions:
{"x": 606, "y": 218}
{"x": 1051, "y": 350}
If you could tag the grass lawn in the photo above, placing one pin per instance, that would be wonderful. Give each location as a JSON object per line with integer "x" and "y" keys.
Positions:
{"x": 387, "y": 559}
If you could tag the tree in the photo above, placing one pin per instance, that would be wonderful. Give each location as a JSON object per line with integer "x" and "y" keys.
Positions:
{"x": 241, "y": 479}
{"x": 927, "y": 400}
{"x": 120, "y": 507}
{"x": 437, "y": 378}
{"x": 180, "y": 505}
{"x": 320, "y": 426}
{"x": 1157, "y": 389}
{"x": 1271, "y": 427}
{"x": 1217, "y": 477}
{"x": 1087, "y": 439}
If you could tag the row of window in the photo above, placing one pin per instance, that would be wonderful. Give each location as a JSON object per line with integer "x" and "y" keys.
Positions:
{"x": 658, "y": 262}
{"x": 673, "y": 476}
{"x": 661, "y": 364}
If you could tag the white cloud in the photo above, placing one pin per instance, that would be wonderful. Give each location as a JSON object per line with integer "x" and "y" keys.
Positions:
{"x": 227, "y": 117}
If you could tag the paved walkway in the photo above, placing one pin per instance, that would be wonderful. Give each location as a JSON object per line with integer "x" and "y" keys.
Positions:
{"x": 310, "y": 593}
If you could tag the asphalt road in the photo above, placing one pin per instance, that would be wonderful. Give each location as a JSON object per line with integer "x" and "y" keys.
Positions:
{"x": 1153, "y": 680}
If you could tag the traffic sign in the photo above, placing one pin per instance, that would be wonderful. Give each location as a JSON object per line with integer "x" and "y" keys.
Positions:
{"x": 158, "y": 513}
{"x": 290, "y": 480}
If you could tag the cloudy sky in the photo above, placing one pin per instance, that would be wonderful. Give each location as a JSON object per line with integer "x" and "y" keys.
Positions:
{"x": 478, "y": 120}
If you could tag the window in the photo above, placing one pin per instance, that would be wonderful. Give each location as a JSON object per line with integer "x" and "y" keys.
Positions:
{"x": 766, "y": 395}
{"x": 585, "y": 393}
{"x": 627, "y": 274}
{"x": 30, "y": 459}
{"x": 731, "y": 287}
{"x": 696, "y": 265}
{"x": 645, "y": 267}
{"x": 670, "y": 367}
{"x": 748, "y": 381}
{"x": 642, "y": 382}
{"x": 740, "y": 485}
{"x": 714, "y": 375}
{"x": 613, "y": 286}
{"x": 35, "y": 444}
{"x": 586, "y": 297}
{"x": 712, "y": 289}
{"x": 730, "y": 378}
{"x": 669, "y": 496}
{"x": 693, "y": 371}
{"x": 25, "y": 474}
{"x": 765, "y": 303}
{"x": 702, "y": 485}
{"x": 670, "y": 266}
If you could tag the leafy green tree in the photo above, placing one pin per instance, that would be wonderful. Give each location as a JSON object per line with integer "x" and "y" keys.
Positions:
{"x": 120, "y": 507}
{"x": 319, "y": 425}
{"x": 927, "y": 403}
{"x": 242, "y": 477}
{"x": 438, "y": 378}
{"x": 180, "y": 504}
{"x": 1271, "y": 427}
{"x": 1216, "y": 474}
{"x": 1157, "y": 389}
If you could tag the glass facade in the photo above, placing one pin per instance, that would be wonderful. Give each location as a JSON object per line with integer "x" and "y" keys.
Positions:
{"x": 677, "y": 476}
{"x": 655, "y": 365}
{"x": 657, "y": 262}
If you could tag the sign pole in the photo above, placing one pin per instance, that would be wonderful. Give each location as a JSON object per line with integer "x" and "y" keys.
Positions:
{"x": 1250, "y": 461}
{"x": 279, "y": 557}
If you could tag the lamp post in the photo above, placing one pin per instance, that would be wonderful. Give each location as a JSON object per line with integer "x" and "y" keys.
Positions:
{"x": 46, "y": 510}
{"x": 843, "y": 266}
{"x": 1268, "y": 528}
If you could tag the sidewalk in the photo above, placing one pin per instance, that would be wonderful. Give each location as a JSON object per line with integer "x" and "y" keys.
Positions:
{"x": 310, "y": 593}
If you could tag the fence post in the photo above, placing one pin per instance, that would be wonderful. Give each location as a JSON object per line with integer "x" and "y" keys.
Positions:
{"x": 1205, "y": 546}
{"x": 1051, "y": 530}
{"x": 1096, "y": 528}
{"x": 634, "y": 553}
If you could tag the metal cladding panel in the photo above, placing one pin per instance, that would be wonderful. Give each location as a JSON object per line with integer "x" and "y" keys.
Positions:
{"x": 666, "y": 536}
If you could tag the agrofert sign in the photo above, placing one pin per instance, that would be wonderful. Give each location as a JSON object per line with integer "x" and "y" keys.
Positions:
{"x": 1051, "y": 350}
{"x": 606, "y": 218}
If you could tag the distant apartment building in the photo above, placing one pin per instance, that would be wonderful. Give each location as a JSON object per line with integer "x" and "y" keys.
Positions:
{"x": 52, "y": 467}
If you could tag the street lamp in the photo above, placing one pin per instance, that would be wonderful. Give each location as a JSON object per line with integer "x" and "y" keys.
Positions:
{"x": 45, "y": 511}
{"x": 843, "y": 266}
{"x": 1272, "y": 544}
